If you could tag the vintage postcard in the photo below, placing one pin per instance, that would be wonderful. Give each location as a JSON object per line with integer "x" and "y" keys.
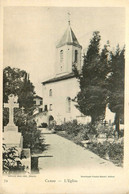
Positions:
{"x": 65, "y": 97}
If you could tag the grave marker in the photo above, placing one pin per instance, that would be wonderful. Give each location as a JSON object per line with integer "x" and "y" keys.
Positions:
{"x": 11, "y": 136}
{"x": 12, "y": 103}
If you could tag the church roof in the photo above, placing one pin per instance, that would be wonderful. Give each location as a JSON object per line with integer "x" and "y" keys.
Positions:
{"x": 56, "y": 79}
{"x": 68, "y": 38}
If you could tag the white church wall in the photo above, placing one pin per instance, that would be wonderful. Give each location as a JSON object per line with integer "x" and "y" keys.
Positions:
{"x": 60, "y": 92}
{"x": 68, "y": 59}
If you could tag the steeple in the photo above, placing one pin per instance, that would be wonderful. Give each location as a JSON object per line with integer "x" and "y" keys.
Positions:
{"x": 68, "y": 38}
{"x": 68, "y": 52}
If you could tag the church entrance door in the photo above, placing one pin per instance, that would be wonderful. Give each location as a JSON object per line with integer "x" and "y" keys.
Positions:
{"x": 50, "y": 120}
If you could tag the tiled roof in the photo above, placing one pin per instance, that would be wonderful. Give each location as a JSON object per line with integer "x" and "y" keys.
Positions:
{"x": 68, "y": 38}
{"x": 38, "y": 97}
{"x": 56, "y": 79}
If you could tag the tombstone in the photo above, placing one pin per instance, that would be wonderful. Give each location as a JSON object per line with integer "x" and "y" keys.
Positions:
{"x": 11, "y": 136}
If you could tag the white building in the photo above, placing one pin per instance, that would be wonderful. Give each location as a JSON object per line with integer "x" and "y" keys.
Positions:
{"x": 59, "y": 91}
{"x": 38, "y": 101}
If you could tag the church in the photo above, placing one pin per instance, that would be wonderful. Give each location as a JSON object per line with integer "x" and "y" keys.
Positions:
{"x": 62, "y": 88}
{"x": 59, "y": 91}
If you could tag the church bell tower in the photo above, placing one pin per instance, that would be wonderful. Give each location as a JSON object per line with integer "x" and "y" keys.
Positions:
{"x": 68, "y": 53}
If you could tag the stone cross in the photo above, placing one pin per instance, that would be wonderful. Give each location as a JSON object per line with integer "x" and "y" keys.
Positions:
{"x": 12, "y": 103}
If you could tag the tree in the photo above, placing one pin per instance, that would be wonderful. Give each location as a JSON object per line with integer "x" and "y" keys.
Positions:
{"x": 17, "y": 82}
{"x": 91, "y": 99}
{"x": 115, "y": 85}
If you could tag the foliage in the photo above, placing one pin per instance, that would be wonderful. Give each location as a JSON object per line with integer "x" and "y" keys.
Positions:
{"x": 58, "y": 128}
{"x": 11, "y": 160}
{"x": 106, "y": 149}
{"x": 52, "y": 125}
{"x": 17, "y": 82}
{"x": 73, "y": 128}
{"x": 101, "y": 81}
{"x": 107, "y": 130}
{"x": 92, "y": 97}
{"x": 5, "y": 116}
{"x": 115, "y": 85}
{"x": 43, "y": 125}
{"x": 32, "y": 137}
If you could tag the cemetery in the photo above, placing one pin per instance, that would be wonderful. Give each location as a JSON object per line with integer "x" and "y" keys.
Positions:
{"x": 100, "y": 139}
{"x": 19, "y": 147}
{"x": 20, "y": 158}
{"x": 22, "y": 155}
{"x": 82, "y": 102}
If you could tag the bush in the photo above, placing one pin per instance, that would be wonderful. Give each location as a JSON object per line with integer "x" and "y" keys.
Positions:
{"x": 74, "y": 129}
{"x": 114, "y": 151}
{"x": 43, "y": 125}
{"x": 105, "y": 129}
{"x": 100, "y": 149}
{"x": 71, "y": 127}
{"x": 79, "y": 132}
{"x": 32, "y": 137}
{"x": 11, "y": 160}
{"x": 58, "y": 128}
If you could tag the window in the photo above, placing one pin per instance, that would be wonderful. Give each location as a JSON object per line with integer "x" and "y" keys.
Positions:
{"x": 68, "y": 105}
{"x": 34, "y": 102}
{"x": 41, "y": 102}
{"x": 61, "y": 56}
{"x": 50, "y": 92}
{"x": 45, "y": 108}
{"x": 50, "y": 107}
{"x": 76, "y": 56}
{"x": 40, "y": 109}
{"x": 61, "y": 60}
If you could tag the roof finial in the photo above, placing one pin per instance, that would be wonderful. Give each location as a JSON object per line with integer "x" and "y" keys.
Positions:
{"x": 69, "y": 18}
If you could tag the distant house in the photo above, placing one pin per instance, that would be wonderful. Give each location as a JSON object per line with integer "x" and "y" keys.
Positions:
{"x": 38, "y": 115}
{"x": 38, "y": 101}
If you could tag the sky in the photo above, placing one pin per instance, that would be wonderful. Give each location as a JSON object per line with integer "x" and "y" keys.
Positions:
{"x": 31, "y": 34}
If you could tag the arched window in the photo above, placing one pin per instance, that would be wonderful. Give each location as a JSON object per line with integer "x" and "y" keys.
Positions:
{"x": 76, "y": 56}
{"x": 50, "y": 107}
{"x": 50, "y": 92}
{"x": 61, "y": 56}
{"x": 61, "y": 60}
{"x": 68, "y": 104}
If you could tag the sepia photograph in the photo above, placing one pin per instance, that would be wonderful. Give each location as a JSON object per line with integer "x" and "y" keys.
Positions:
{"x": 63, "y": 93}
